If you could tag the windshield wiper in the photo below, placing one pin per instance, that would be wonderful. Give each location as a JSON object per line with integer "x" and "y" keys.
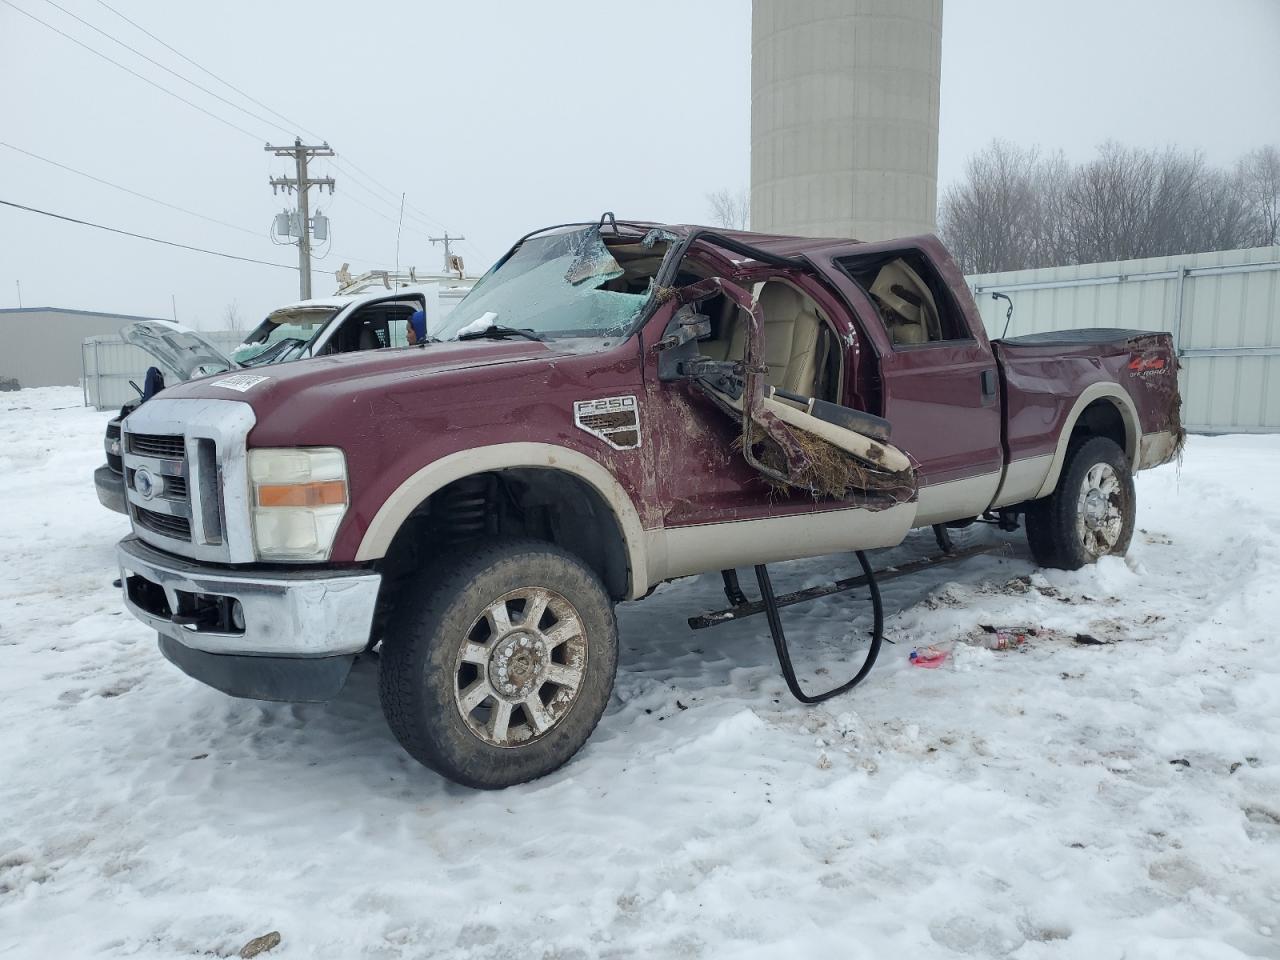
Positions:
{"x": 497, "y": 331}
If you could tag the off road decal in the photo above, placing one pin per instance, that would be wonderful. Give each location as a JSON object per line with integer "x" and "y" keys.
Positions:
{"x": 615, "y": 420}
{"x": 1148, "y": 364}
{"x": 240, "y": 382}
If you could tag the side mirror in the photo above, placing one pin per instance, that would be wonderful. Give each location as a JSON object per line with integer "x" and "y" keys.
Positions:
{"x": 678, "y": 348}
{"x": 686, "y": 325}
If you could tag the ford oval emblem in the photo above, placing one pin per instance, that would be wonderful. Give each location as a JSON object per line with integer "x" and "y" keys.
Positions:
{"x": 147, "y": 483}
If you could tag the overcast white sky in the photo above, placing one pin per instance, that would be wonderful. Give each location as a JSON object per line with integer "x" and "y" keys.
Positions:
{"x": 496, "y": 118}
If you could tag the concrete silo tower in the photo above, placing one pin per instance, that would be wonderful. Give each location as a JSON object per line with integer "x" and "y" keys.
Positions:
{"x": 844, "y": 116}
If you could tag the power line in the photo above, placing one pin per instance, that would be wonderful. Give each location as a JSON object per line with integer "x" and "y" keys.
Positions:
{"x": 339, "y": 162}
{"x": 412, "y": 211}
{"x": 99, "y": 53}
{"x": 169, "y": 70}
{"x": 395, "y": 197}
{"x": 206, "y": 70}
{"x": 378, "y": 213}
{"x": 143, "y": 236}
{"x": 116, "y": 186}
{"x": 377, "y": 199}
{"x": 163, "y": 203}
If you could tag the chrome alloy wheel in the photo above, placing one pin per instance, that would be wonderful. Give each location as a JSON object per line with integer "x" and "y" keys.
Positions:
{"x": 520, "y": 667}
{"x": 1099, "y": 511}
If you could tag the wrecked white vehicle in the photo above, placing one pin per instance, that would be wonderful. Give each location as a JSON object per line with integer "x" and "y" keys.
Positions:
{"x": 321, "y": 327}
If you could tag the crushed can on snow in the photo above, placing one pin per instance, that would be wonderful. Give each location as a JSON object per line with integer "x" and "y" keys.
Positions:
{"x": 1001, "y": 638}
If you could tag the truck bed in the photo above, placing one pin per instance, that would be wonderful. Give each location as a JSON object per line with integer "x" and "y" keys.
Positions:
{"x": 1045, "y": 373}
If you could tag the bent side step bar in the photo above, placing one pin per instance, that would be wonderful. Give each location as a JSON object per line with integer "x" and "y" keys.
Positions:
{"x": 751, "y": 608}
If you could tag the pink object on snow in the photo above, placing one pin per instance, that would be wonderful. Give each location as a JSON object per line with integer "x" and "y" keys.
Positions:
{"x": 928, "y": 657}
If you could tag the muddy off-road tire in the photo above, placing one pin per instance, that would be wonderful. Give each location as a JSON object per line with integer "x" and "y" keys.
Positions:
{"x": 1090, "y": 513}
{"x": 476, "y": 689}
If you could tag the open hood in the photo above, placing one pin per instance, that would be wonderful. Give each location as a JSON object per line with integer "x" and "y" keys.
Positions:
{"x": 182, "y": 353}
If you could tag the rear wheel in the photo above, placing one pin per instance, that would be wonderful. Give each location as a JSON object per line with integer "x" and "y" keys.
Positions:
{"x": 1090, "y": 513}
{"x": 500, "y": 669}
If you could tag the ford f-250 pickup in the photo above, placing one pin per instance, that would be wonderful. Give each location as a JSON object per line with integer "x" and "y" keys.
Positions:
{"x": 614, "y": 404}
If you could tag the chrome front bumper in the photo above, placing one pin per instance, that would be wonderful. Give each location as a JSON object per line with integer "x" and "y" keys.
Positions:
{"x": 300, "y": 613}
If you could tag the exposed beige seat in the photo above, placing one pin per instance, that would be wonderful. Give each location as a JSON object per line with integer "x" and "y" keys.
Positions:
{"x": 791, "y": 331}
{"x": 725, "y": 325}
{"x": 909, "y": 311}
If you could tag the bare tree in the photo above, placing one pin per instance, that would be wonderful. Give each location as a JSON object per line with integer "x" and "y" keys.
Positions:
{"x": 231, "y": 316}
{"x": 1015, "y": 209}
{"x": 988, "y": 219}
{"x": 1260, "y": 181}
{"x": 730, "y": 209}
{"x": 1221, "y": 217}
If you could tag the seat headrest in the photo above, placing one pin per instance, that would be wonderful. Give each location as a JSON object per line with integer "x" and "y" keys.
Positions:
{"x": 778, "y": 300}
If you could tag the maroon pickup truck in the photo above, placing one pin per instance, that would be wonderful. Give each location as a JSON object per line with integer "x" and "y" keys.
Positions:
{"x": 613, "y": 405}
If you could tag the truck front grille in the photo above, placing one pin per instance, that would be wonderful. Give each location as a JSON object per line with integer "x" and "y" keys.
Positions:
{"x": 168, "y": 511}
{"x": 157, "y": 445}
{"x": 175, "y": 487}
{"x": 193, "y": 499}
{"x": 176, "y": 528}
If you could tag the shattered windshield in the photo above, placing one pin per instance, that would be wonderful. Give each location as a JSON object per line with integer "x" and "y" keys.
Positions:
{"x": 283, "y": 333}
{"x": 560, "y": 284}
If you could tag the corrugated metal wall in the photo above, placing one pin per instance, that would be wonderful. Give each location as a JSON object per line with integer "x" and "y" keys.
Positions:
{"x": 1223, "y": 309}
{"x": 109, "y": 364}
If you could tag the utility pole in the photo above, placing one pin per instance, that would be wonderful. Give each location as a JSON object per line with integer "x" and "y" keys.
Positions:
{"x": 446, "y": 240}
{"x": 301, "y": 153}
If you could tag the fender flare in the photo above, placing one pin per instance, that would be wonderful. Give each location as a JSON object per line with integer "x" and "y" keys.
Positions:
{"x": 1128, "y": 414}
{"x": 434, "y": 476}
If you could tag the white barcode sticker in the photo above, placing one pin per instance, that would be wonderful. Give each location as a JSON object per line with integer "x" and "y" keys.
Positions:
{"x": 241, "y": 382}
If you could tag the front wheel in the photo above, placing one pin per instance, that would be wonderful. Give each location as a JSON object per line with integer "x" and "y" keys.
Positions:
{"x": 1090, "y": 513}
{"x": 499, "y": 669}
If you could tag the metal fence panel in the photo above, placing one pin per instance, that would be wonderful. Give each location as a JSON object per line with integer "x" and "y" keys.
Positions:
{"x": 109, "y": 363}
{"x": 1223, "y": 309}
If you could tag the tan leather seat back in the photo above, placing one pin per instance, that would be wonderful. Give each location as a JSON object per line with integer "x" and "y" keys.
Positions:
{"x": 910, "y": 312}
{"x": 791, "y": 331}
{"x": 726, "y": 326}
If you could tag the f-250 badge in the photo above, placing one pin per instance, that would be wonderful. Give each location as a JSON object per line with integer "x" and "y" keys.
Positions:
{"x": 615, "y": 420}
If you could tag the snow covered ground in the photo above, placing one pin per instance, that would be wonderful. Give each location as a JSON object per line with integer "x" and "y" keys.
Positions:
{"x": 1062, "y": 800}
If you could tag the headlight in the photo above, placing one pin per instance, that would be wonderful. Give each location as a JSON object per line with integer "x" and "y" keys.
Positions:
{"x": 299, "y": 498}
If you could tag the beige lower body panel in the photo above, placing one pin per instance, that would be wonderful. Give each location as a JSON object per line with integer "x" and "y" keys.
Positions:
{"x": 1157, "y": 448}
{"x": 743, "y": 543}
{"x": 1023, "y": 479}
{"x": 956, "y": 499}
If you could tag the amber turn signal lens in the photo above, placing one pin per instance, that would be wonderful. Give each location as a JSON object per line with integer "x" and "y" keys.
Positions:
{"x": 319, "y": 493}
